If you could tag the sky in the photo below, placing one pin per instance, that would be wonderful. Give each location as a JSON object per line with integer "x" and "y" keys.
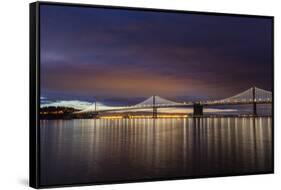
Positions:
{"x": 125, "y": 56}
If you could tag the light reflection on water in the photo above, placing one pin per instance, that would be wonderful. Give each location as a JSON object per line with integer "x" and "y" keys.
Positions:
{"x": 88, "y": 150}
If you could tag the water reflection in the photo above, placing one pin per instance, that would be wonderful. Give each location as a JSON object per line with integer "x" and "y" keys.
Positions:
{"x": 81, "y": 151}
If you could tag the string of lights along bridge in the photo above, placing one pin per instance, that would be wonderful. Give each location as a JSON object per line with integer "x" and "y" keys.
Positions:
{"x": 252, "y": 96}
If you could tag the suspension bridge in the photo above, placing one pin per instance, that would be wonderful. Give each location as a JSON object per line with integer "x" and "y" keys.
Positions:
{"x": 252, "y": 96}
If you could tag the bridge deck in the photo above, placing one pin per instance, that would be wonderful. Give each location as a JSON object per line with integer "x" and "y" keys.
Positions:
{"x": 183, "y": 105}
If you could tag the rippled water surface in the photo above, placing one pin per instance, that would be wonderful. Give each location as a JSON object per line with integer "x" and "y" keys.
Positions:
{"x": 105, "y": 150}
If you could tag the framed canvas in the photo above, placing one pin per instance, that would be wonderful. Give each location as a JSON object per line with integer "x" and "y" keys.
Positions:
{"x": 120, "y": 94}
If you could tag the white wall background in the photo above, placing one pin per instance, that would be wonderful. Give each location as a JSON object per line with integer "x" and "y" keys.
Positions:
{"x": 14, "y": 73}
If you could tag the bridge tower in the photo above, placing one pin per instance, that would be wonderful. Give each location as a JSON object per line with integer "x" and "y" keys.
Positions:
{"x": 95, "y": 115}
{"x": 254, "y": 101}
{"x": 154, "y": 108}
{"x": 197, "y": 109}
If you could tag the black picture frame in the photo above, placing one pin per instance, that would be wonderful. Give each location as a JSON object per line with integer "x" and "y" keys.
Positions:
{"x": 34, "y": 88}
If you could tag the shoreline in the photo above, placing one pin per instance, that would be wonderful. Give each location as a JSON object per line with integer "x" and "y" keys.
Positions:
{"x": 188, "y": 117}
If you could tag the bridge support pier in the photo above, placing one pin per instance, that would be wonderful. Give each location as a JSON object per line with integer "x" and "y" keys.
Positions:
{"x": 95, "y": 115}
{"x": 254, "y": 108}
{"x": 197, "y": 109}
{"x": 154, "y": 112}
{"x": 154, "y": 108}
